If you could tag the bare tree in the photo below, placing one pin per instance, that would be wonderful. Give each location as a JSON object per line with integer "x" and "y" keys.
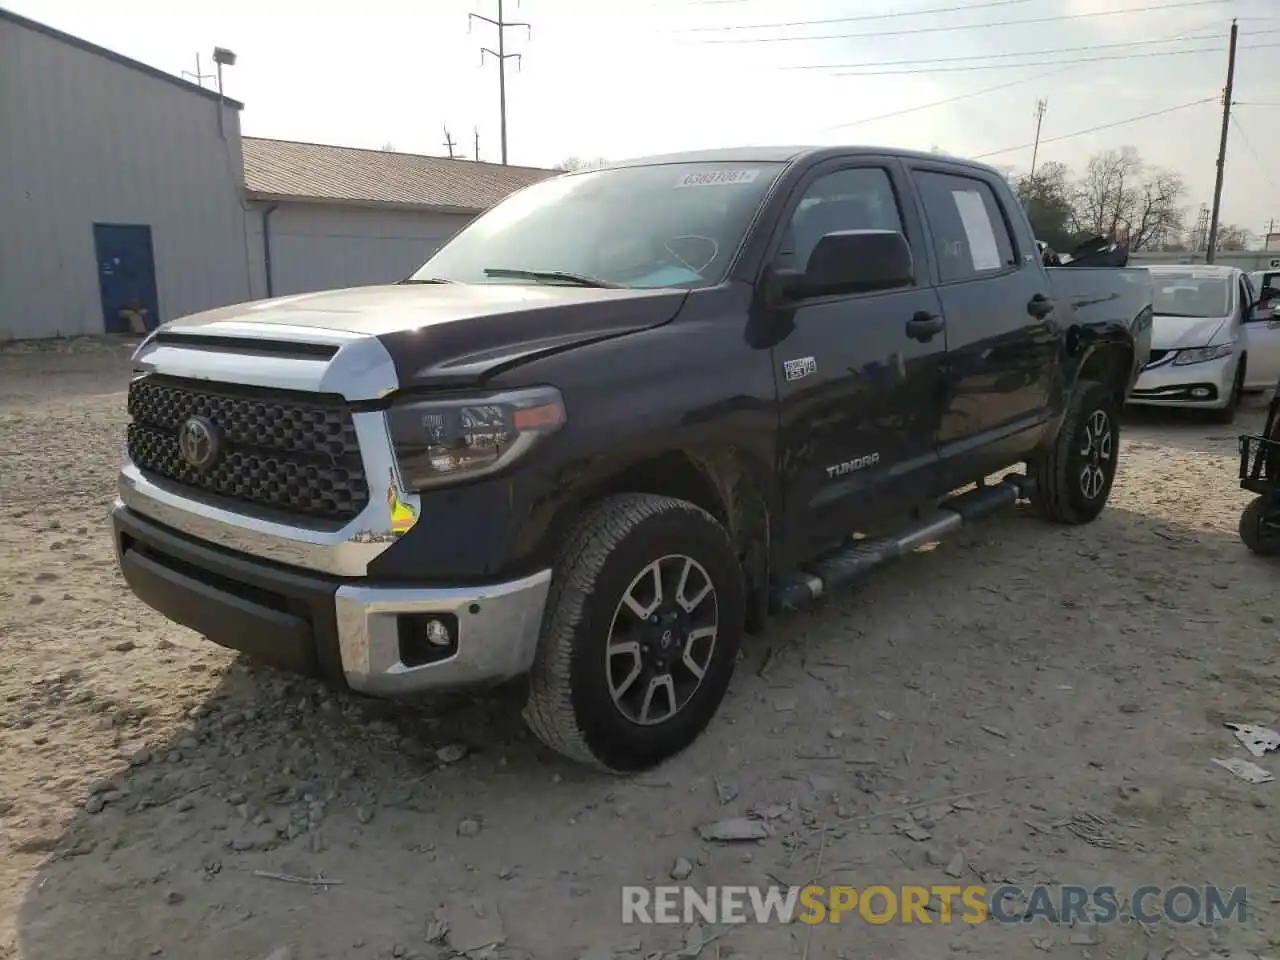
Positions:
{"x": 1047, "y": 199}
{"x": 1121, "y": 198}
{"x": 1232, "y": 237}
{"x": 578, "y": 163}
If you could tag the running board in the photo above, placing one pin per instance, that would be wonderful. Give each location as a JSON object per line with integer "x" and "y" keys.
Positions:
{"x": 854, "y": 561}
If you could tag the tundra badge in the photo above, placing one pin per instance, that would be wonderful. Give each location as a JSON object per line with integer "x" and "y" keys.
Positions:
{"x": 852, "y": 466}
{"x": 800, "y": 367}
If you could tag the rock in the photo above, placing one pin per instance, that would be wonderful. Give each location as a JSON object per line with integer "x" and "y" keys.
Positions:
{"x": 469, "y": 827}
{"x": 739, "y": 828}
{"x": 184, "y": 804}
{"x": 173, "y": 897}
{"x": 94, "y": 804}
{"x": 451, "y": 753}
{"x": 124, "y": 646}
{"x": 189, "y": 744}
{"x": 936, "y": 857}
{"x": 101, "y": 786}
{"x": 956, "y": 867}
{"x": 682, "y": 869}
{"x": 253, "y": 838}
{"x": 725, "y": 792}
{"x": 917, "y": 833}
{"x": 137, "y": 754}
{"x": 364, "y": 814}
{"x": 472, "y": 925}
{"x": 837, "y": 733}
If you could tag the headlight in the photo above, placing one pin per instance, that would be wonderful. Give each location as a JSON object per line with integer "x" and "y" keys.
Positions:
{"x": 443, "y": 441}
{"x": 1204, "y": 354}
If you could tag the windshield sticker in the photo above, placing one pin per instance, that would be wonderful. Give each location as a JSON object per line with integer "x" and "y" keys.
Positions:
{"x": 983, "y": 249}
{"x": 717, "y": 178}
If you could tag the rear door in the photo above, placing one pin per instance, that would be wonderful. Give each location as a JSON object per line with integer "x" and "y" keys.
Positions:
{"x": 859, "y": 395}
{"x": 1002, "y": 334}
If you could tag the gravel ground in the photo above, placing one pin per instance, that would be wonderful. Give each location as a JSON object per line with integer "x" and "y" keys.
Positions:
{"x": 1045, "y": 700}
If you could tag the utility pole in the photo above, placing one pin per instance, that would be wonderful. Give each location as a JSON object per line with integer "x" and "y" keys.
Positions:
{"x": 1041, "y": 106}
{"x": 448, "y": 142}
{"x": 1222, "y": 146}
{"x": 502, "y": 57}
{"x": 198, "y": 77}
{"x": 476, "y": 131}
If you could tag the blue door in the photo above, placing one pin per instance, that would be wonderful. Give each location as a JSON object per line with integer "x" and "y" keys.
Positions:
{"x": 126, "y": 273}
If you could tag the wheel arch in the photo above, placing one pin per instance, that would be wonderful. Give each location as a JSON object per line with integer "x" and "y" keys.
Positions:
{"x": 721, "y": 480}
{"x": 1109, "y": 362}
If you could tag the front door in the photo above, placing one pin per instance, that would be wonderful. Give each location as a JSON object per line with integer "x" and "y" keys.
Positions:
{"x": 1002, "y": 336}
{"x": 126, "y": 274}
{"x": 1261, "y": 334}
{"x": 859, "y": 395}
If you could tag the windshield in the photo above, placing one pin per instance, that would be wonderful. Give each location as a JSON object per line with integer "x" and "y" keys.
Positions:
{"x": 667, "y": 225}
{"x": 1186, "y": 295}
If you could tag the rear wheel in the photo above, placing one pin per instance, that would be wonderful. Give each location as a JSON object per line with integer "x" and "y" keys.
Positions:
{"x": 1260, "y": 527}
{"x": 640, "y": 636}
{"x": 1073, "y": 477}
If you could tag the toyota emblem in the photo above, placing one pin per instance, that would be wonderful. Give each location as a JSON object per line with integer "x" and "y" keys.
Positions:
{"x": 198, "y": 443}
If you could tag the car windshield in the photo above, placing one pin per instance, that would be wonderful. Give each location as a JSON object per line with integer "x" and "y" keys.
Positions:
{"x": 1186, "y": 295}
{"x": 664, "y": 225}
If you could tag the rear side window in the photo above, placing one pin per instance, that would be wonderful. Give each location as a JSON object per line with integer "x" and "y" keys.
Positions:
{"x": 970, "y": 234}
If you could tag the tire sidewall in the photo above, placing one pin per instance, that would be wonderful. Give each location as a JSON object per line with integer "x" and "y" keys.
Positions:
{"x": 1094, "y": 399}
{"x": 618, "y": 742}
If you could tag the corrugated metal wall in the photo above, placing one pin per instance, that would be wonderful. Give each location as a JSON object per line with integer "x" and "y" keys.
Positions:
{"x": 84, "y": 140}
{"x": 328, "y": 246}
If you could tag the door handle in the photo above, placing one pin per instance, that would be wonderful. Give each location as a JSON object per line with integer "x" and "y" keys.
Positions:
{"x": 1040, "y": 306}
{"x": 925, "y": 326}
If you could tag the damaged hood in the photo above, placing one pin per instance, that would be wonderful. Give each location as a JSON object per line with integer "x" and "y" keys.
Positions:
{"x": 441, "y": 334}
{"x": 1182, "y": 333}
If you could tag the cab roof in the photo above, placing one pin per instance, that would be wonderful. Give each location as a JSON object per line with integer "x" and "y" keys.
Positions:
{"x": 796, "y": 154}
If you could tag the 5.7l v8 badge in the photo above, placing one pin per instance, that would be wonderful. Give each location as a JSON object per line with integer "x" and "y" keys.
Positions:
{"x": 800, "y": 367}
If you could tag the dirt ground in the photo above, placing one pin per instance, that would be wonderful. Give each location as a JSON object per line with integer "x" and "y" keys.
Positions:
{"x": 1045, "y": 700}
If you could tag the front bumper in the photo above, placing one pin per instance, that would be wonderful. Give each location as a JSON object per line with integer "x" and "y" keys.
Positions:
{"x": 1201, "y": 386}
{"x": 367, "y": 636}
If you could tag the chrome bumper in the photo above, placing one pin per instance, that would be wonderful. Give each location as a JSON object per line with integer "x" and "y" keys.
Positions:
{"x": 498, "y": 628}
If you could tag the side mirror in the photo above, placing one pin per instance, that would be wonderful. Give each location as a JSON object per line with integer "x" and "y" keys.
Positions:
{"x": 852, "y": 261}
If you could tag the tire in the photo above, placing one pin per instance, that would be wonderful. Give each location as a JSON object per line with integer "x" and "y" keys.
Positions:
{"x": 1258, "y": 538}
{"x": 1073, "y": 477}
{"x": 1228, "y": 413}
{"x": 609, "y": 554}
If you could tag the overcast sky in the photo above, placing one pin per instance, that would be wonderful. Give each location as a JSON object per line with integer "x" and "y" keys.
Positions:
{"x": 620, "y": 78}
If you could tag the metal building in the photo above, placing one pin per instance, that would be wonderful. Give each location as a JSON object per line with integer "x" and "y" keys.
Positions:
{"x": 340, "y": 216}
{"x": 122, "y": 183}
{"x": 117, "y": 181}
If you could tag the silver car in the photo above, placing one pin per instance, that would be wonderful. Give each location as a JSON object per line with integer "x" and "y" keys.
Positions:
{"x": 1200, "y": 341}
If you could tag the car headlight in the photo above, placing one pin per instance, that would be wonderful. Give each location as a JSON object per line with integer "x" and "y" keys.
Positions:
{"x": 443, "y": 441}
{"x": 1204, "y": 354}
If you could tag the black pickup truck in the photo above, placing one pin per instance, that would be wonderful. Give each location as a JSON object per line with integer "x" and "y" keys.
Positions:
{"x": 614, "y": 423}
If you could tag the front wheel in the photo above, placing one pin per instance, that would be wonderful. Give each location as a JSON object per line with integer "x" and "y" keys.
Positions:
{"x": 1073, "y": 477}
{"x": 1260, "y": 527}
{"x": 1227, "y": 414}
{"x": 640, "y": 635}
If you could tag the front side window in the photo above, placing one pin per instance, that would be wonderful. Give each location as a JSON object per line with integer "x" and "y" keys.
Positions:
{"x": 860, "y": 198}
{"x": 970, "y": 235}
{"x": 1187, "y": 295}
{"x": 665, "y": 225}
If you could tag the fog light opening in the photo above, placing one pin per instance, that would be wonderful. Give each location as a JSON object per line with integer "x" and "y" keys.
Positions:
{"x": 1200, "y": 393}
{"x": 427, "y": 638}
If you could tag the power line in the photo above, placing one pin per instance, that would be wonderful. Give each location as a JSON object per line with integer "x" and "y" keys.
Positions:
{"x": 1057, "y": 18}
{"x": 1005, "y": 56}
{"x": 1104, "y": 126}
{"x": 947, "y": 101}
{"x": 1040, "y": 63}
{"x": 985, "y": 4}
{"x": 1248, "y": 144}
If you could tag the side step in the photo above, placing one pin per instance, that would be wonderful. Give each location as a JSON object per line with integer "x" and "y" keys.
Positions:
{"x": 855, "y": 560}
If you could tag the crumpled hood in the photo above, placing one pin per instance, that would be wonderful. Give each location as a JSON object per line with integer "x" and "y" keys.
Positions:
{"x": 1181, "y": 333}
{"x": 451, "y": 333}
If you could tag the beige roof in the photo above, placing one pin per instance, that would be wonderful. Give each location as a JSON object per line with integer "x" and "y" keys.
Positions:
{"x": 286, "y": 169}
